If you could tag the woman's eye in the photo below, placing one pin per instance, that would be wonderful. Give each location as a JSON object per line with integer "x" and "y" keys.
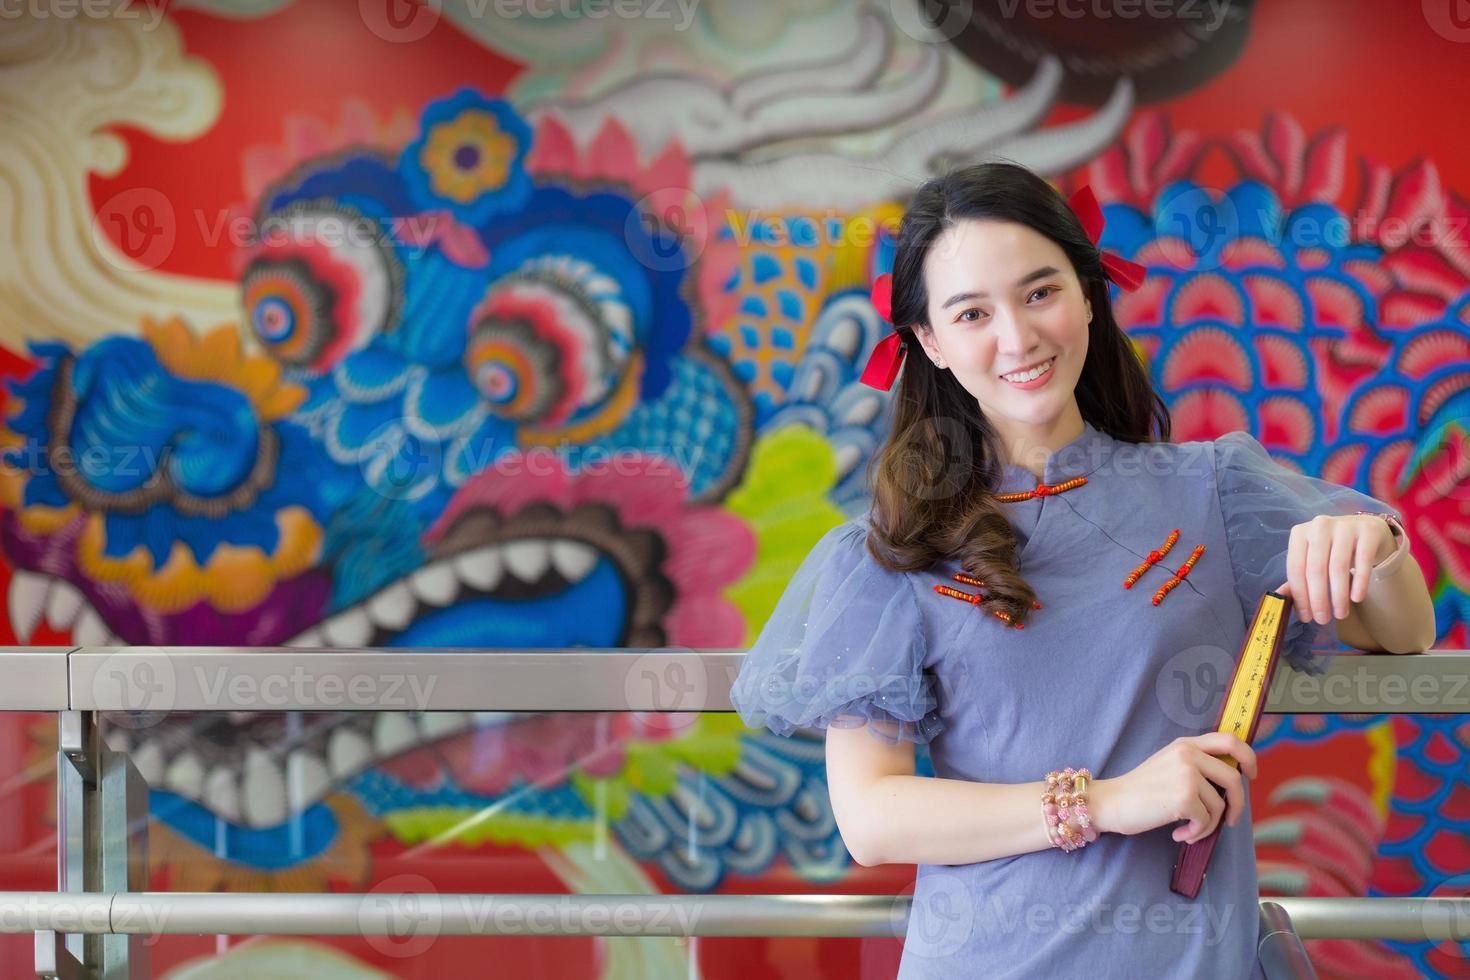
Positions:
{"x": 1044, "y": 289}
{"x": 966, "y": 315}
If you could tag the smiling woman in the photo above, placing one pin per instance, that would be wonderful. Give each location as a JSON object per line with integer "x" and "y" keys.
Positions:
{"x": 1028, "y": 441}
{"x": 999, "y": 280}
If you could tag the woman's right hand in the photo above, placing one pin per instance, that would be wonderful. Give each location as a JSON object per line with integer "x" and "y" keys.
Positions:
{"x": 1173, "y": 784}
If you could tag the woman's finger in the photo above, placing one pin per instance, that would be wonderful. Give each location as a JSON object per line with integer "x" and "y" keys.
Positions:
{"x": 1362, "y": 566}
{"x": 1296, "y": 571}
{"x": 1228, "y": 778}
{"x": 1339, "y": 563}
{"x": 1319, "y": 548}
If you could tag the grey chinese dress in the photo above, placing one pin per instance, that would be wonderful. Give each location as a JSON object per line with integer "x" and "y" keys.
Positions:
{"x": 1100, "y": 677}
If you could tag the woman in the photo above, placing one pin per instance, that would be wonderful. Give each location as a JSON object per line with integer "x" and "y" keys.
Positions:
{"x": 1018, "y": 600}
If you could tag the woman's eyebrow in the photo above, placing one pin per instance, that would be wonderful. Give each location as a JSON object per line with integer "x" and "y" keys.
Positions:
{"x": 1041, "y": 273}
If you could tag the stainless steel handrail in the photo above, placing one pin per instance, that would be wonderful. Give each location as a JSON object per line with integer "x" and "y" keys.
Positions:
{"x": 389, "y": 913}
{"x": 93, "y": 924}
{"x": 1279, "y": 949}
{"x": 576, "y": 679}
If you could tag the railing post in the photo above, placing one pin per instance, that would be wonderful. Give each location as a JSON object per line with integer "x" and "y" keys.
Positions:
{"x": 1283, "y": 957}
{"x": 101, "y": 846}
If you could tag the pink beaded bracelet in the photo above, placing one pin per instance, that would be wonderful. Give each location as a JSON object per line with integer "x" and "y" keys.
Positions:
{"x": 1064, "y": 809}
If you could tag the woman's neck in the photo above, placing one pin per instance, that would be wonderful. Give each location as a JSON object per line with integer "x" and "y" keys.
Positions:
{"x": 1029, "y": 446}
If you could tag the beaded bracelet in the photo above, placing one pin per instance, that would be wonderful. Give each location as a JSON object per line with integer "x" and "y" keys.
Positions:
{"x": 1064, "y": 809}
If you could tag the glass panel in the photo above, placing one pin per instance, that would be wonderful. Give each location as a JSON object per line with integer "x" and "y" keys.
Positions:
{"x": 27, "y": 814}
{"x": 426, "y": 803}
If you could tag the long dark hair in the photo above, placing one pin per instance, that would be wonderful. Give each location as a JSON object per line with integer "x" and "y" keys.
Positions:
{"x": 937, "y": 472}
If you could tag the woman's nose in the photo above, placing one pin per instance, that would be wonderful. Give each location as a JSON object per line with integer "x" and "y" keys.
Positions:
{"x": 1013, "y": 334}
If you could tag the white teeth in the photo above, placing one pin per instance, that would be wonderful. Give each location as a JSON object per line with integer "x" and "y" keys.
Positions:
{"x": 528, "y": 558}
{"x": 89, "y": 630}
{"x": 350, "y": 629}
{"x": 221, "y": 794}
{"x": 393, "y": 607}
{"x": 27, "y": 602}
{"x": 307, "y": 779}
{"x": 436, "y": 584}
{"x": 148, "y": 757}
{"x": 479, "y": 568}
{"x": 347, "y": 752}
{"x": 264, "y": 798}
{"x": 1030, "y": 375}
{"x": 185, "y": 776}
{"x": 439, "y": 724}
{"x": 572, "y": 559}
{"x": 63, "y": 604}
{"x": 393, "y": 732}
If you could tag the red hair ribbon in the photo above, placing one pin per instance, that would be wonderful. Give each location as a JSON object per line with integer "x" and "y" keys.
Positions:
{"x": 887, "y": 357}
{"x": 1125, "y": 272}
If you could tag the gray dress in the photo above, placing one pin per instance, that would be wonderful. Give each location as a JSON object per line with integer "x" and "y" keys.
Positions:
{"x": 1100, "y": 677}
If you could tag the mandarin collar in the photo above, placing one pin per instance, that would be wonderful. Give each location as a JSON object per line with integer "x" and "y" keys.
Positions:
{"x": 1079, "y": 457}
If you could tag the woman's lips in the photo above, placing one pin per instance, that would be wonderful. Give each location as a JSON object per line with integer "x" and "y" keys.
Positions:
{"x": 1036, "y": 382}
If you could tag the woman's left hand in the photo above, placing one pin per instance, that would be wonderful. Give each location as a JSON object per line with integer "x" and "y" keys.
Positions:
{"x": 1320, "y": 556}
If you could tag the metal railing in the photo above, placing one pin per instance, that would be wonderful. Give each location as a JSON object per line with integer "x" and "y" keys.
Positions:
{"x": 93, "y": 925}
{"x": 576, "y": 679}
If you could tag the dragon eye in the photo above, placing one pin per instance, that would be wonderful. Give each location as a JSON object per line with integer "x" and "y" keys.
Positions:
{"x": 322, "y": 281}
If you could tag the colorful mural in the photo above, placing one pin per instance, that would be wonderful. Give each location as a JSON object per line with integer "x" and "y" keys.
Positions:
{"x": 452, "y": 326}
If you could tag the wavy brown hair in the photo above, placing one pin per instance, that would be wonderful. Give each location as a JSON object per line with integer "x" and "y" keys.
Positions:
{"x": 937, "y": 472}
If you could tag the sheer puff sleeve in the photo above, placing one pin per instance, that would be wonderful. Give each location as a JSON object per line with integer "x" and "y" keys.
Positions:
{"x": 845, "y": 647}
{"x": 1261, "y": 501}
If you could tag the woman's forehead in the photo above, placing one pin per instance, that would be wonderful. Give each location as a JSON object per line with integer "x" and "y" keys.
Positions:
{"x": 989, "y": 253}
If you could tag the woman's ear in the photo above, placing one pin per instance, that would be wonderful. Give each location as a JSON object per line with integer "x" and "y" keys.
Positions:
{"x": 931, "y": 347}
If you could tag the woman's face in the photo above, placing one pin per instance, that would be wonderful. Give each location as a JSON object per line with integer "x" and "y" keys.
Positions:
{"x": 1004, "y": 298}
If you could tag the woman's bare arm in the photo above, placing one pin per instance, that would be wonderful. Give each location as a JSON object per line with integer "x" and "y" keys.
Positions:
{"x": 888, "y": 815}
